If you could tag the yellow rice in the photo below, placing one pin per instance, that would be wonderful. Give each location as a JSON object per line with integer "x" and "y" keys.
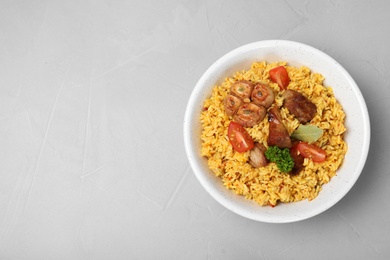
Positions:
{"x": 267, "y": 185}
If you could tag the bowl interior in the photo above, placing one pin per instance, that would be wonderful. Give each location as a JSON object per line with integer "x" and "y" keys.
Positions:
{"x": 346, "y": 92}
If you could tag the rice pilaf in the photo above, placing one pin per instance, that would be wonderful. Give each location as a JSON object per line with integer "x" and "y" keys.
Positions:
{"x": 267, "y": 185}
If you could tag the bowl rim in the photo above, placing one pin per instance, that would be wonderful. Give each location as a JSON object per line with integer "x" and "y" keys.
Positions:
{"x": 198, "y": 90}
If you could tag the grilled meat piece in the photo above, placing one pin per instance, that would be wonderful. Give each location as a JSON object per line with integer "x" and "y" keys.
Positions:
{"x": 249, "y": 114}
{"x": 278, "y": 134}
{"x": 298, "y": 105}
{"x": 262, "y": 95}
{"x": 232, "y": 103}
{"x": 298, "y": 159}
{"x": 257, "y": 156}
{"x": 242, "y": 89}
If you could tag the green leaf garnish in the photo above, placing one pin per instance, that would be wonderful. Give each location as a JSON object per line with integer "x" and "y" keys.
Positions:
{"x": 307, "y": 133}
{"x": 281, "y": 157}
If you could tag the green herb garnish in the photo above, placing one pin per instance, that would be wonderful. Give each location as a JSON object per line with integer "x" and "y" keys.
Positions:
{"x": 281, "y": 157}
{"x": 307, "y": 133}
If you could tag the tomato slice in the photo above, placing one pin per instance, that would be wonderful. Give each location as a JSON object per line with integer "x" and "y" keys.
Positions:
{"x": 311, "y": 151}
{"x": 239, "y": 138}
{"x": 279, "y": 75}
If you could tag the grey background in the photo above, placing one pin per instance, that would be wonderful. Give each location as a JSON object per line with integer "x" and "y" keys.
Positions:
{"x": 92, "y": 100}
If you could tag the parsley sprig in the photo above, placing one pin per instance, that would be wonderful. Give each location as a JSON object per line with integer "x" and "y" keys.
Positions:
{"x": 281, "y": 157}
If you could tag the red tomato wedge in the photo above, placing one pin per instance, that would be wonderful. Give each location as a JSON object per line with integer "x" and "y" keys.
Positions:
{"x": 239, "y": 138}
{"x": 279, "y": 75}
{"x": 311, "y": 151}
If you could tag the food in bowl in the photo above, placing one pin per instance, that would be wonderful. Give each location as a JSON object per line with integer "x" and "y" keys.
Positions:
{"x": 262, "y": 138}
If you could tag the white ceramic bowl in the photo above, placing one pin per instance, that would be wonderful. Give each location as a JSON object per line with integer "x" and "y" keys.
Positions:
{"x": 346, "y": 92}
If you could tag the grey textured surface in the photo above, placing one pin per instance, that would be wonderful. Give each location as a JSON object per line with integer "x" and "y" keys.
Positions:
{"x": 92, "y": 100}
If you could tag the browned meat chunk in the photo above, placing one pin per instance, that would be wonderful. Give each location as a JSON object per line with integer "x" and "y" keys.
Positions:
{"x": 257, "y": 156}
{"x": 242, "y": 89}
{"x": 249, "y": 114}
{"x": 298, "y": 159}
{"x": 278, "y": 134}
{"x": 262, "y": 95}
{"x": 298, "y": 105}
{"x": 232, "y": 103}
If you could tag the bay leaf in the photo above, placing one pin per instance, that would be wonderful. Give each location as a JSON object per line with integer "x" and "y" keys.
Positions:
{"x": 307, "y": 133}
